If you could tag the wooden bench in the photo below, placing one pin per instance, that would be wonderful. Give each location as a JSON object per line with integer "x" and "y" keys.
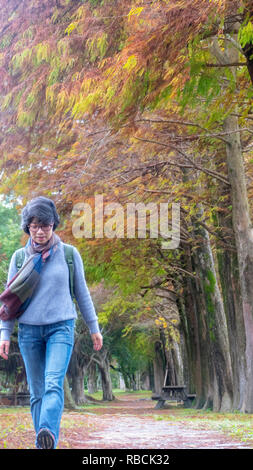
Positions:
{"x": 20, "y": 399}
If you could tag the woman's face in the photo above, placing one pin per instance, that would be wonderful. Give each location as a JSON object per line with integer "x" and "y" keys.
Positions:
{"x": 39, "y": 232}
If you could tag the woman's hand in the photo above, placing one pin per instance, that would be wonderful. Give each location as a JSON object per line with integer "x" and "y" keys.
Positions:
{"x": 97, "y": 340}
{"x": 4, "y": 349}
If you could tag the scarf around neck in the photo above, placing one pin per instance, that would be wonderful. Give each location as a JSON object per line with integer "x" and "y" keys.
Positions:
{"x": 18, "y": 293}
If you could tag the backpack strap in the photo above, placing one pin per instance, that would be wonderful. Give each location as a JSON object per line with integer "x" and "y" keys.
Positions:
{"x": 20, "y": 257}
{"x": 68, "y": 251}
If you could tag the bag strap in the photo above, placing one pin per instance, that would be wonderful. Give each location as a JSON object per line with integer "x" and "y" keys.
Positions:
{"x": 20, "y": 257}
{"x": 68, "y": 251}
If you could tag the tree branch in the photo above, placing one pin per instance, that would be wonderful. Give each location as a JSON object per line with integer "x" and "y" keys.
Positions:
{"x": 232, "y": 64}
{"x": 212, "y": 173}
{"x": 192, "y": 124}
{"x": 184, "y": 271}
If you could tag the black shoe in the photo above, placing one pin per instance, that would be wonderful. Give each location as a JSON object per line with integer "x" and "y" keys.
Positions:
{"x": 45, "y": 439}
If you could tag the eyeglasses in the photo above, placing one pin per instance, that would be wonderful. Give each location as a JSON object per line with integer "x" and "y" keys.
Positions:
{"x": 35, "y": 228}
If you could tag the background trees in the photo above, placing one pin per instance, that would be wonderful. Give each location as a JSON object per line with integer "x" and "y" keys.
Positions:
{"x": 145, "y": 102}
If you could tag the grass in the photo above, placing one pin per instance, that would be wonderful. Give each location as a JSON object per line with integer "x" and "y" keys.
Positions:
{"x": 119, "y": 393}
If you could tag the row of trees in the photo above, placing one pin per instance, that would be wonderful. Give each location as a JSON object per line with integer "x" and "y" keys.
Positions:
{"x": 145, "y": 102}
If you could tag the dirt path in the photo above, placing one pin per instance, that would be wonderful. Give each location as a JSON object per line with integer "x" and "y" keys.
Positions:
{"x": 133, "y": 423}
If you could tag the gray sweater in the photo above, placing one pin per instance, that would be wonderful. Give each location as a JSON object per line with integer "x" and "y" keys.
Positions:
{"x": 51, "y": 301}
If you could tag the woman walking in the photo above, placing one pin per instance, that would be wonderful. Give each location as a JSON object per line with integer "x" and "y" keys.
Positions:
{"x": 39, "y": 296}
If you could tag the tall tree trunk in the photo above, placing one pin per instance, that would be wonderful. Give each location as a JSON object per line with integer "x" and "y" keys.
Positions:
{"x": 76, "y": 372}
{"x": 231, "y": 292}
{"x": 92, "y": 378}
{"x": 104, "y": 368}
{"x": 201, "y": 367}
{"x": 78, "y": 387}
{"x": 189, "y": 325}
{"x": 145, "y": 380}
{"x": 241, "y": 225}
{"x": 69, "y": 402}
{"x": 158, "y": 366}
{"x": 176, "y": 352}
{"x": 216, "y": 323}
{"x": 214, "y": 386}
{"x": 244, "y": 243}
{"x": 103, "y": 362}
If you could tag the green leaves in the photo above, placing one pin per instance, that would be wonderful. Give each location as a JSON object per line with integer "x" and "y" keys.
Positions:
{"x": 97, "y": 47}
{"x": 245, "y": 34}
{"x": 10, "y": 235}
{"x": 207, "y": 86}
{"x": 19, "y": 59}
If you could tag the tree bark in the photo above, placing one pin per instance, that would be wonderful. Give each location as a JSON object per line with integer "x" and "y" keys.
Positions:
{"x": 206, "y": 322}
{"x": 76, "y": 372}
{"x": 158, "y": 366}
{"x": 102, "y": 359}
{"x": 204, "y": 368}
{"x": 92, "y": 378}
{"x": 216, "y": 323}
{"x": 104, "y": 367}
{"x": 78, "y": 387}
{"x": 231, "y": 292}
{"x": 242, "y": 228}
{"x": 244, "y": 243}
{"x": 190, "y": 333}
{"x": 176, "y": 352}
{"x": 69, "y": 402}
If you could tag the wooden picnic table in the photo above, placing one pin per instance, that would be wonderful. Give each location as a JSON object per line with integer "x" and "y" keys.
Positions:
{"x": 174, "y": 393}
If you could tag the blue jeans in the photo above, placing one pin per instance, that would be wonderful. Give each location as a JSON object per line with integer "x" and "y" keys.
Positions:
{"x": 46, "y": 351}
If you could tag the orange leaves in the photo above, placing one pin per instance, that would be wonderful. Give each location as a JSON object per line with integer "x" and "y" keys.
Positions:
{"x": 82, "y": 68}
